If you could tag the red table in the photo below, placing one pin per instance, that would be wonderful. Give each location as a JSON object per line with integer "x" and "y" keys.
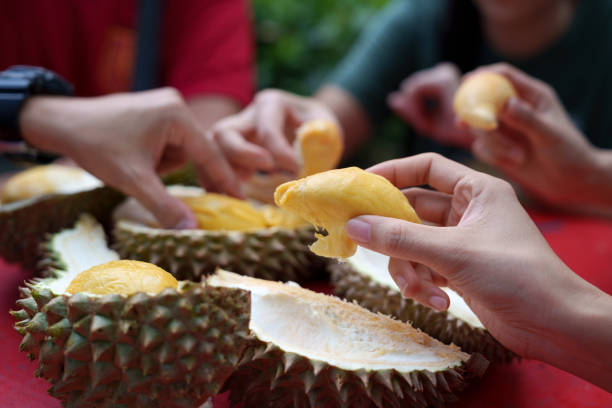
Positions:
{"x": 584, "y": 244}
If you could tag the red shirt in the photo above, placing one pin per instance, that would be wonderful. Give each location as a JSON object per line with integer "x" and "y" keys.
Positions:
{"x": 206, "y": 46}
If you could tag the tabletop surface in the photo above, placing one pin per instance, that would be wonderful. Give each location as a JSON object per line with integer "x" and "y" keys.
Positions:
{"x": 584, "y": 244}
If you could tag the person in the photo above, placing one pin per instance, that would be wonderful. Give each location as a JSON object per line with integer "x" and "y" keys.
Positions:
{"x": 411, "y": 58}
{"x": 480, "y": 242}
{"x": 205, "y": 63}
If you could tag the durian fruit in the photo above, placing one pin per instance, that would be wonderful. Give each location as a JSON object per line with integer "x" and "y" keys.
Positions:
{"x": 364, "y": 278}
{"x": 130, "y": 335}
{"x": 312, "y": 350}
{"x": 331, "y": 198}
{"x": 318, "y": 145}
{"x": 481, "y": 97}
{"x": 254, "y": 241}
{"x": 45, "y": 199}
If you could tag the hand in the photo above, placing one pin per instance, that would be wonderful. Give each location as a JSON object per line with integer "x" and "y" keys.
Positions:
{"x": 425, "y": 101}
{"x": 486, "y": 248}
{"x": 267, "y": 126}
{"x": 538, "y": 146}
{"x": 125, "y": 139}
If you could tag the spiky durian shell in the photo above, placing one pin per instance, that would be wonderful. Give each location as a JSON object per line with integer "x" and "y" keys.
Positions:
{"x": 25, "y": 224}
{"x": 167, "y": 350}
{"x": 272, "y": 253}
{"x": 270, "y": 377}
{"x": 354, "y": 286}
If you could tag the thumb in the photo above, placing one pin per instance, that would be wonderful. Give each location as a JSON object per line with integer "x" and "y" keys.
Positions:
{"x": 167, "y": 209}
{"x": 424, "y": 244}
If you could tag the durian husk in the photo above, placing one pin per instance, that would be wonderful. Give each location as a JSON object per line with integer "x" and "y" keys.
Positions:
{"x": 268, "y": 376}
{"x": 271, "y": 253}
{"x": 172, "y": 349}
{"x": 24, "y": 225}
{"x": 274, "y": 253}
{"x": 354, "y": 286}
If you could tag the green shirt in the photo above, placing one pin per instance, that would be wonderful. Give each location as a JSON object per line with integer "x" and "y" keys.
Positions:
{"x": 405, "y": 37}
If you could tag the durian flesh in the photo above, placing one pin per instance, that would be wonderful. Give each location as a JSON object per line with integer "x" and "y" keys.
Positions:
{"x": 331, "y": 198}
{"x": 49, "y": 179}
{"x": 481, "y": 97}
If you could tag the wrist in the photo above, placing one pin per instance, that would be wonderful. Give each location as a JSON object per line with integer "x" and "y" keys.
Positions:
{"x": 45, "y": 122}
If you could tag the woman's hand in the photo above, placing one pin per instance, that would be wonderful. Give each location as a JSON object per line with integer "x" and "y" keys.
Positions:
{"x": 539, "y": 147}
{"x": 485, "y": 246}
{"x": 126, "y": 139}
{"x": 425, "y": 101}
{"x": 267, "y": 126}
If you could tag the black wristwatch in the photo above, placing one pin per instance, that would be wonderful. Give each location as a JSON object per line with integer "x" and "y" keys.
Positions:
{"x": 17, "y": 84}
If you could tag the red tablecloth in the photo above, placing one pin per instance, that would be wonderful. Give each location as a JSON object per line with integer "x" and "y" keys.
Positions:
{"x": 584, "y": 244}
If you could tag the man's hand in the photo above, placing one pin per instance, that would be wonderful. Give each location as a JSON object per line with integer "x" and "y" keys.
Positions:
{"x": 126, "y": 139}
{"x": 540, "y": 148}
{"x": 425, "y": 101}
{"x": 267, "y": 129}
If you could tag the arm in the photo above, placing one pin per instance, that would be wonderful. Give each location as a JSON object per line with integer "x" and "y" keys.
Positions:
{"x": 125, "y": 139}
{"x": 481, "y": 243}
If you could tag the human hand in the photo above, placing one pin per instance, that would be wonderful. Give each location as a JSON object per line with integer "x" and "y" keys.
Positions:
{"x": 539, "y": 147}
{"x": 125, "y": 139}
{"x": 425, "y": 101}
{"x": 267, "y": 126}
{"x": 485, "y": 247}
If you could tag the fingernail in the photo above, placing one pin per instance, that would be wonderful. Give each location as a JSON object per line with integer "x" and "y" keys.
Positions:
{"x": 358, "y": 230}
{"x": 438, "y": 303}
{"x": 186, "y": 223}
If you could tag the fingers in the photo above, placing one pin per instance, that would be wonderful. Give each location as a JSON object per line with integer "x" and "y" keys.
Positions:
{"x": 527, "y": 120}
{"x": 428, "y": 168}
{"x": 142, "y": 183}
{"x": 243, "y": 154}
{"x": 211, "y": 166}
{"x": 416, "y": 281}
{"x": 431, "y": 206}
{"x": 428, "y": 245}
{"x": 270, "y": 112}
{"x": 498, "y": 148}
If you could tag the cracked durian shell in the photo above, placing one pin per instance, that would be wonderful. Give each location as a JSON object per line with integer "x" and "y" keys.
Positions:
{"x": 364, "y": 278}
{"x": 274, "y": 253}
{"x": 171, "y": 349}
{"x": 312, "y": 350}
{"x": 46, "y": 199}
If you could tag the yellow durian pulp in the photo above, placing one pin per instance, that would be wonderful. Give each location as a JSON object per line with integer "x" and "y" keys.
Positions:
{"x": 329, "y": 199}
{"x": 122, "y": 277}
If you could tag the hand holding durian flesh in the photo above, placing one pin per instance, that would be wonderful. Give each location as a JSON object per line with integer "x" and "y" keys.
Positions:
{"x": 481, "y": 97}
{"x": 329, "y": 199}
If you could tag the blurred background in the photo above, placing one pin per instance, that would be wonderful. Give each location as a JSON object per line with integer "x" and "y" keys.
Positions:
{"x": 299, "y": 44}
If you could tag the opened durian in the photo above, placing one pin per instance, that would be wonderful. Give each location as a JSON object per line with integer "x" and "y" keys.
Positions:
{"x": 257, "y": 241}
{"x": 45, "y": 199}
{"x": 329, "y": 199}
{"x": 271, "y": 344}
{"x": 481, "y": 97}
{"x": 365, "y": 279}
{"x": 318, "y": 145}
{"x": 143, "y": 340}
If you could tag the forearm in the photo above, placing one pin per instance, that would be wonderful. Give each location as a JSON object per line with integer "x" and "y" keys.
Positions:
{"x": 208, "y": 109}
{"x": 579, "y": 338}
{"x": 353, "y": 119}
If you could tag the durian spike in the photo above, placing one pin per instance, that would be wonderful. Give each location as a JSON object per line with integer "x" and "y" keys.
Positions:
{"x": 481, "y": 97}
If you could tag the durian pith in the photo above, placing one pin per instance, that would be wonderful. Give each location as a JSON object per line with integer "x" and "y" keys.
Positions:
{"x": 322, "y": 352}
{"x": 351, "y": 284}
